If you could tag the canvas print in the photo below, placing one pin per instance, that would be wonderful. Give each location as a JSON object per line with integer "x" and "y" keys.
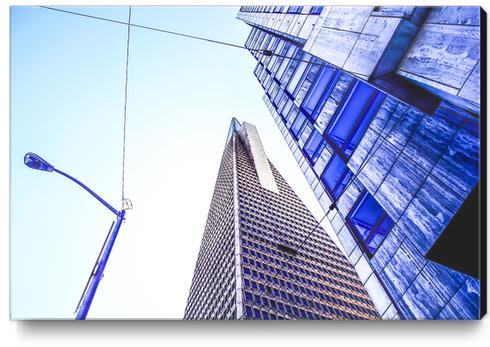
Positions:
{"x": 248, "y": 163}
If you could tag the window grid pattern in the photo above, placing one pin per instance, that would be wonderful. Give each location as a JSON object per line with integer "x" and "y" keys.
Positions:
{"x": 317, "y": 283}
{"x": 213, "y": 294}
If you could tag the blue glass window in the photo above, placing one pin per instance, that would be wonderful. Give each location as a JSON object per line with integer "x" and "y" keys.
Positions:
{"x": 274, "y": 90}
{"x": 289, "y": 52}
{"x": 292, "y": 66}
{"x": 287, "y": 107}
{"x": 266, "y": 42}
{"x": 282, "y": 102}
{"x": 277, "y": 59}
{"x": 370, "y": 222}
{"x": 316, "y": 9}
{"x": 297, "y": 77}
{"x": 283, "y": 47}
{"x": 324, "y": 155}
{"x": 336, "y": 176}
{"x": 298, "y": 124}
{"x": 278, "y": 97}
{"x": 248, "y": 309}
{"x": 307, "y": 80}
{"x": 321, "y": 86}
{"x": 354, "y": 116}
{"x": 304, "y": 134}
{"x": 275, "y": 43}
{"x": 295, "y": 9}
{"x": 291, "y": 116}
{"x": 248, "y": 296}
{"x": 278, "y": 9}
{"x": 258, "y": 70}
{"x": 314, "y": 146}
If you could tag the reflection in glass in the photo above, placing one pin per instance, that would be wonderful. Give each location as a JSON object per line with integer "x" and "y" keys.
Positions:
{"x": 354, "y": 116}
{"x": 370, "y": 222}
{"x": 320, "y": 87}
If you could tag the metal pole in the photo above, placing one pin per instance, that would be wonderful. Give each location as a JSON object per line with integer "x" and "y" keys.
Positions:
{"x": 116, "y": 212}
{"x": 98, "y": 271}
{"x": 34, "y": 161}
{"x": 97, "y": 275}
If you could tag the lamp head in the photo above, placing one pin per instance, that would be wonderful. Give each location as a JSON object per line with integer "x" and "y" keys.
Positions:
{"x": 36, "y": 162}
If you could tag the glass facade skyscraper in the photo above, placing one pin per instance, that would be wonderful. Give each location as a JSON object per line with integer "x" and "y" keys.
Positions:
{"x": 263, "y": 255}
{"x": 381, "y": 109}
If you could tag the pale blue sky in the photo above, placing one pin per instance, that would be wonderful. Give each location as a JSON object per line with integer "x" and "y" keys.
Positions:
{"x": 67, "y": 93}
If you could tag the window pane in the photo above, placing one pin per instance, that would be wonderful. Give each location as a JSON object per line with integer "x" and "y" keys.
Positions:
{"x": 353, "y": 107}
{"x": 285, "y": 62}
{"x": 316, "y": 9}
{"x": 311, "y": 146}
{"x": 278, "y": 97}
{"x": 324, "y": 157}
{"x": 283, "y": 101}
{"x": 318, "y": 88}
{"x": 307, "y": 81}
{"x": 295, "y": 9}
{"x": 366, "y": 215}
{"x": 265, "y": 43}
{"x": 291, "y": 116}
{"x": 287, "y": 107}
{"x": 248, "y": 296}
{"x": 248, "y": 309}
{"x": 298, "y": 74}
{"x": 298, "y": 124}
{"x": 304, "y": 134}
{"x": 273, "y": 90}
{"x": 364, "y": 123}
{"x": 291, "y": 67}
{"x": 379, "y": 234}
{"x": 276, "y": 59}
{"x": 340, "y": 187}
{"x": 279, "y": 50}
{"x": 275, "y": 44}
{"x": 385, "y": 226}
{"x": 334, "y": 172}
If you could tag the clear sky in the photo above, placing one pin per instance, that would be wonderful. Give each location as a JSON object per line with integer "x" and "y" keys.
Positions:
{"x": 67, "y": 94}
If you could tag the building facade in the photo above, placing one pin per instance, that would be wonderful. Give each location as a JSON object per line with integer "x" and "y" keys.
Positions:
{"x": 381, "y": 109}
{"x": 263, "y": 255}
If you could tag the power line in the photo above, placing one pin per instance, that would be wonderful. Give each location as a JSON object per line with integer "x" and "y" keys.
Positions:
{"x": 144, "y": 27}
{"x": 125, "y": 111}
{"x": 261, "y": 51}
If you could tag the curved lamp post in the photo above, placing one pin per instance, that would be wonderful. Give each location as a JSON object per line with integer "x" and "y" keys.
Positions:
{"x": 34, "y": 161}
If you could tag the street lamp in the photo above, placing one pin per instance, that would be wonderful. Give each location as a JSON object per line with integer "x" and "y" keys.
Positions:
{"x": 34, "y": 161}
